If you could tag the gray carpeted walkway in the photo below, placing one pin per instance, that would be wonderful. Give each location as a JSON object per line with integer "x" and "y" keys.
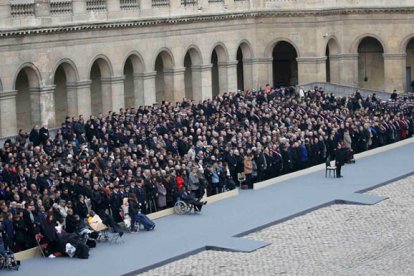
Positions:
{"x": 219, "y": 225}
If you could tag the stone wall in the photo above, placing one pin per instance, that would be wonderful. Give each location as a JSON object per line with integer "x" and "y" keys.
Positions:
{"x": 92, "y": 56}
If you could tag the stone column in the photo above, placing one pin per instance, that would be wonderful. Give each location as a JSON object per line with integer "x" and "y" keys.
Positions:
{"x": 202, "y": 82}
{"x": 148, "y": 79}
{"x": 223, "y": 77}
{"x": 42, "y": 106}
{"x": 139, "y": 90}
{"x": 262, "y": 72}
{"x": 334, "y": 69}
{"x": 394, "y": 72}
{"x": 311, "y": 69}
{"x": 8, "y": 118}
{"x": 348, "y": 69}
{"x": 72, "y": 98}
{"x": 248, "y": 74}
{"x": 106, "y": 94}
{"x": 118, "y": 97}
{"x": 174, "y": 77}
{"x": 232, "y": 76}
{"x": 83, "y": 98}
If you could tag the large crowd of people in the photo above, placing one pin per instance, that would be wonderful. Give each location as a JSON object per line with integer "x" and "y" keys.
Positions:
{"x": 149, "y": 153}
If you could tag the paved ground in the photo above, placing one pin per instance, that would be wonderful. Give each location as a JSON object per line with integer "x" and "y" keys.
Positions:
{"x": 335, "y": 240}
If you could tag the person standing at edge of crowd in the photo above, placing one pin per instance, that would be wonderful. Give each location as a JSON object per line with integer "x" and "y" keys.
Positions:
{"x": 339, "y": 160}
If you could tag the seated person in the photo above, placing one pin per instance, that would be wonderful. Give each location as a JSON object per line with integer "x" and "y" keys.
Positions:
{"x": 189, "y": 198}
{"x": 135, "y": 214}
{"x": 2, "y": 238}
{"x": 106, "y": 220}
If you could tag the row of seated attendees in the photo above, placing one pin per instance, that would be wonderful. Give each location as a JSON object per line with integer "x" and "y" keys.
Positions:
{"x": 151, "y": 152}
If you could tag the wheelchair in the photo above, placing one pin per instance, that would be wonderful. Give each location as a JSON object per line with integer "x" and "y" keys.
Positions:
{"x": 8, "y": 261}
{"x": 181, "y": 207}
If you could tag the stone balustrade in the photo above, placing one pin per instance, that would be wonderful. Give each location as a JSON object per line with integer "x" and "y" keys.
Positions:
{"x": 37, "y": 13}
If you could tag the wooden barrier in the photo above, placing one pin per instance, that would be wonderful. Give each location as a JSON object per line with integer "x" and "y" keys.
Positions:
{"x": 28, "y": 254}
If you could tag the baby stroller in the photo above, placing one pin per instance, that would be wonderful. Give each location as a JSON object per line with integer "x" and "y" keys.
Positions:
{"x": 8, "y": 261}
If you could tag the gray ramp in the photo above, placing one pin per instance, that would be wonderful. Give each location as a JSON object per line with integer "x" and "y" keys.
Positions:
{"x": 361, "y": 199}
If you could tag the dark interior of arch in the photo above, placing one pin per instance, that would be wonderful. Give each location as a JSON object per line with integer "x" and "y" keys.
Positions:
{"x": 285, "y": 67}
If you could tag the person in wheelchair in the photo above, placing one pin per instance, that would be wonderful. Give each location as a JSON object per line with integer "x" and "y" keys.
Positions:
{"x": 189, "y": 198}
{"x": 7, "y": 260}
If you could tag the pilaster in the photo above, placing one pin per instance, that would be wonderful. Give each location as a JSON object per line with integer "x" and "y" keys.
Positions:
{"x": 248, "y": 74}
{"x": 42, "y": 106}
{"x": 8, "y": 120}
{"x": 202, "y": 82}
{"x": 176, "y": 78}
{"x": 148, "y": 92}
{"x": 394, "y": 72}
{"x": 118, "y": 96}
{"x": 348, "y": 69}
{"x": 106, "y": 94}
{"x": 79, "y": 98}
{"x": 231, "y": 76}
{"x": 311, "y": 69}
{"x": 262, "y": 72}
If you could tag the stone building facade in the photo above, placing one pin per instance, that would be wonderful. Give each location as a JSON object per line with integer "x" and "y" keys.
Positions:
{"x": 71, "y": 57}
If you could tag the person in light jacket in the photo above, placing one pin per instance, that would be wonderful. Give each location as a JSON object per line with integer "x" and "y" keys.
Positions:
{"x": 161, "y": 194}
{"x": 248, "y": 169}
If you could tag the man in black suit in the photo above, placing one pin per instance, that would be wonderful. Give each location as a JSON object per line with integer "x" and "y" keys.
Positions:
{"x": 339, "y": 159}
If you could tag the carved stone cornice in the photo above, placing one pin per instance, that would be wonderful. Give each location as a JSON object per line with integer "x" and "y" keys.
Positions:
{"x": 395, "y": 56}
{"x": 5, "y": 95}
{"x": 203, "y": 67}
{"x": 268, "y": 13}
{"x": 311, "y": 60}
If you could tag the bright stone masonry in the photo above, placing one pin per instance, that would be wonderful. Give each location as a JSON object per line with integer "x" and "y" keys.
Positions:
{"x": 66, "y": 57}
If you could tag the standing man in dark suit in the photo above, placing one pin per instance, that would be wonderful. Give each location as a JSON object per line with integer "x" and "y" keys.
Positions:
{"x": 339, "y": 159}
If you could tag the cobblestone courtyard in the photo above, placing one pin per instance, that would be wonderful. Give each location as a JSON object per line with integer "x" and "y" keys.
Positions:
{"x": 335, "y": 240}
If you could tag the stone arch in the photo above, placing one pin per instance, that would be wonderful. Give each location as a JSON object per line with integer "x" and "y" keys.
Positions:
{"x": 221, "y": 51}
{"x": 101, "y": 91}
{"x": 27, "y": 84}
{"x": 164, "y": 79}
{"x": 167, "y": 57}
{"x": 134, "y": 67}
{"x": 195, "y": 54}
{"x": 219, "y": 58}
{"x": 192, "y": 74}
{"x": 269, "y": 49}
{"x": 407, "y": 47}
{"x": 370, "y": 63}
{"x": 244, "y": 56}
{"x": 357, "y": 41}
{"x": 247, "y": 49}
{"x": 332, "y": 60}
{"x": 69, "y": 68}
{"x": 284, "y": 63}
{"x": 33, "y": 75}
{"x": 65, "y": 75}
